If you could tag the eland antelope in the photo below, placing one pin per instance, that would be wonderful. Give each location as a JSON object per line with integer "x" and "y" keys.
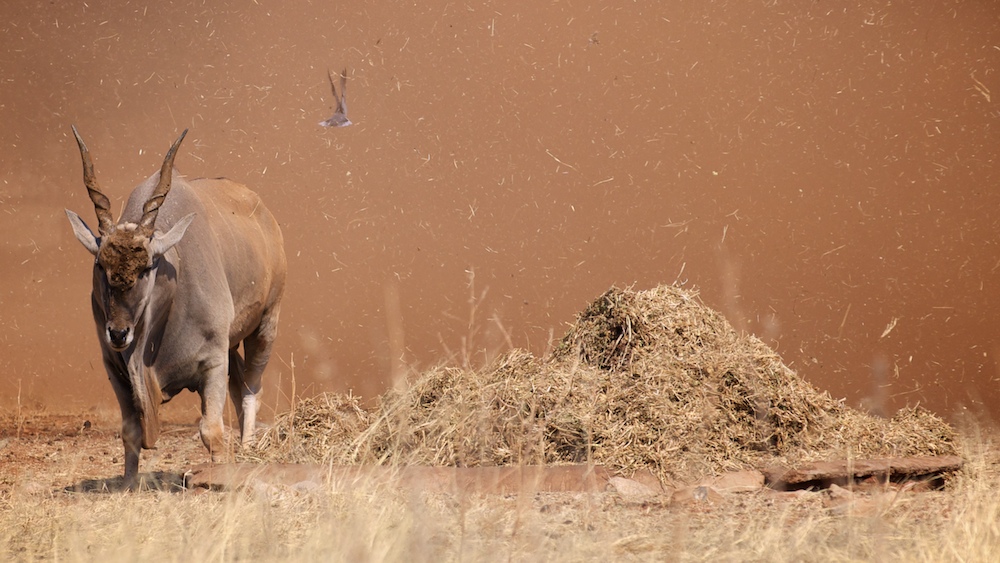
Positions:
{"x": 190, "y": 270}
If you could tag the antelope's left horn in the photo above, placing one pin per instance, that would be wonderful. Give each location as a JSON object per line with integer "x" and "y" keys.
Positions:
{"x": 152, "y": 206}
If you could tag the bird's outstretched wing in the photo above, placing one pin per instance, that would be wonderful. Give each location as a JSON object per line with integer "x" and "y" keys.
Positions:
{"x": 339, "y": 117}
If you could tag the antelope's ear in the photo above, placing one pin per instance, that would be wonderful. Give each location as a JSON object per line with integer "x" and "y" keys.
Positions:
{"x": 164, "y": 242}
{"x": 83, "y": 232}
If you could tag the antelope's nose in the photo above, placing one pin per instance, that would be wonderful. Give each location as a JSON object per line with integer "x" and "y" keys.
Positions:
{"x": 119, "y": 338}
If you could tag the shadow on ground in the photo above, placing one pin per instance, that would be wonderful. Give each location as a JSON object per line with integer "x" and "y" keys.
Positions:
{"x": 168, "y": 481}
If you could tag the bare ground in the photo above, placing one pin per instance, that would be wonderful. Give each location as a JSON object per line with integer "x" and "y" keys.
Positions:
{"x": 44, "y": 453}
{"x": 55, "y": 469}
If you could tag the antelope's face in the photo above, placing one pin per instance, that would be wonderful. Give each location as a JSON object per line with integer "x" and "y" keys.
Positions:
{"x": 127, "y": 254}
{"x": 124, "y": 271}
{"x": 125, "y": 266}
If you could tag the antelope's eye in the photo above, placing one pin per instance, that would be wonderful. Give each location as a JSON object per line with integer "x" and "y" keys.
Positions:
{"x": 150, "y": 268}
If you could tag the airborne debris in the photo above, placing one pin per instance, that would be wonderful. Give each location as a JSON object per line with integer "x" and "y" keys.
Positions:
{"x": 889, "y": 327}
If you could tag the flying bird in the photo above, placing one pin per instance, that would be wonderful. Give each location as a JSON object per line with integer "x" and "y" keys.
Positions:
{"x": 339, "y": 118}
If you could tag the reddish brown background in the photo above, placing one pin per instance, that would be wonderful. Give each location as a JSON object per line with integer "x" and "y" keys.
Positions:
{"x": 818, "y": 171}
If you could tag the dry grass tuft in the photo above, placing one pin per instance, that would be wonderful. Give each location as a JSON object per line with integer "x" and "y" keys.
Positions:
{"x": 317, "y": 429}
{"x": 650, "y": 379}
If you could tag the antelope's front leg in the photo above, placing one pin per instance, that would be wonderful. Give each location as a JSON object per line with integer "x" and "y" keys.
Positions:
{"x": 132, "y": 440}
{"x": 213, "y": 401}
{"x": 131, "y": 429}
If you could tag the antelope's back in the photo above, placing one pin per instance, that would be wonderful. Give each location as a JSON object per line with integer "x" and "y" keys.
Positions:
{"x": 249, "y": 240}
{"x": 233, "y": 246}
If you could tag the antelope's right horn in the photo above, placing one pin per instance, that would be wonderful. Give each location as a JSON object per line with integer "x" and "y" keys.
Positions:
{"x": 105, "y": 223}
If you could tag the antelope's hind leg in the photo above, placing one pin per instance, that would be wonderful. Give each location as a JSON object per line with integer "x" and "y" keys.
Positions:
{"x": 245, "y": 375}
{"x": 243, "y": 397}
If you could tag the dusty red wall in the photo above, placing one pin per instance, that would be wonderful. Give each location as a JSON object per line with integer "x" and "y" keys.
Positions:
{"x": 819, "y": 172}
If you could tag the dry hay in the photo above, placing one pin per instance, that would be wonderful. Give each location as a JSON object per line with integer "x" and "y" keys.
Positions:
{"x": 313, "y": 430}
{"x": 651, "y": 379}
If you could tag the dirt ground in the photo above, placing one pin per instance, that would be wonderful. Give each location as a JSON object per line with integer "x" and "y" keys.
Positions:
{"x": 54, "y": 470}
{"x": 45, "y": 453}
{"x": 42, "y": 453}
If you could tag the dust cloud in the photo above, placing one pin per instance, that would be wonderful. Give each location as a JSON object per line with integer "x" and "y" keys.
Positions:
{"x": 823, "y": 174}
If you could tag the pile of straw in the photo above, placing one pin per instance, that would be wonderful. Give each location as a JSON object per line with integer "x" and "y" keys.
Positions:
{"x": 650, "y": 379}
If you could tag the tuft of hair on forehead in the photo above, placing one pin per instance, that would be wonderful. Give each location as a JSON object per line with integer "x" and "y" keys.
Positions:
{"x": 124, "y": 254}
